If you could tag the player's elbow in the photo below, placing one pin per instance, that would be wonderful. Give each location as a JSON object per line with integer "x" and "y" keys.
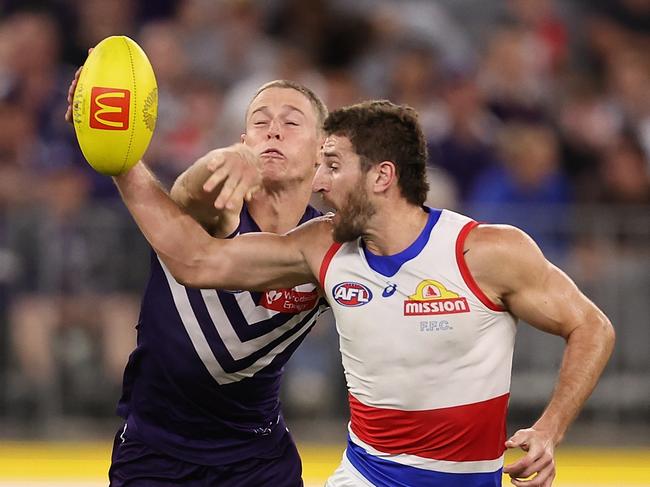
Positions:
{"x": 601, "y": 333}
{"x": 196, "y": 269}
{"x": 183, "y": 270}
{"x": 597, "y": 332}
{"x": 185, "y": 274}
{"x": 607, "y": 333}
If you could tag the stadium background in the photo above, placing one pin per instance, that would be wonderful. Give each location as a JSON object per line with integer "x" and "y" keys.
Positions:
{"x": 537, "y": 113}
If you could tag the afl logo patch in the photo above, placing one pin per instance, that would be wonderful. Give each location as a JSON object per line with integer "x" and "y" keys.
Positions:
{"x": 351, "y": 294}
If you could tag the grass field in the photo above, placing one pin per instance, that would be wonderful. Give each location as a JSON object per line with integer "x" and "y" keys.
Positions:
{"x": 41, "y": 464}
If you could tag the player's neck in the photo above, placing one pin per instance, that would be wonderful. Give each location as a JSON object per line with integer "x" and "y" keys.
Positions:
{"x": 279, "y": 211}
{"x": 394, "y": 228}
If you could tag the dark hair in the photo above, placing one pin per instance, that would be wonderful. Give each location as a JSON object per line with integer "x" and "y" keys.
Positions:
{"x": 382, "y": 131}
{"x": 319, "y": 107}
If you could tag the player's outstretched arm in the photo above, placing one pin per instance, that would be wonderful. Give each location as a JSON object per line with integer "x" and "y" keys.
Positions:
{"x": 213, "y": 189}
{"x": 510, "y": 268}
{"x": 256, "y": 261}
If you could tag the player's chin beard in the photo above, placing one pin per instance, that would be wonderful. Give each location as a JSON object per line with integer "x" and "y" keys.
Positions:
{"x": 353, "y": 217}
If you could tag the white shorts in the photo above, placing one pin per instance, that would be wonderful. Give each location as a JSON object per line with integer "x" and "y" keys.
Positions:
{"x": 347, "y": 476}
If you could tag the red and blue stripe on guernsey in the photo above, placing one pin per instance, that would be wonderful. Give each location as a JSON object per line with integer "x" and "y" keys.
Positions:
{"x": 452, "y": 446}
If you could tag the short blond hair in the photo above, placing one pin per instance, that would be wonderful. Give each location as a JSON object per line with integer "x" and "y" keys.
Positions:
{"x": 319, "y": 107}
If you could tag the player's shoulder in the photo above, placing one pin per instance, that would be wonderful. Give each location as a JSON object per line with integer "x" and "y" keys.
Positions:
{"x": 500, "y": 250}
{"x": 498, "y": 238}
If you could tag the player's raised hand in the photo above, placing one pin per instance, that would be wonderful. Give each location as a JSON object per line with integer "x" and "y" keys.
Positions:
{"x": 236, "y": 169}
{"x": 537, "y": 467}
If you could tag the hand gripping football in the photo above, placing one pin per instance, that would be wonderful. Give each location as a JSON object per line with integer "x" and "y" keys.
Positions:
{"x": 115, "y": 105}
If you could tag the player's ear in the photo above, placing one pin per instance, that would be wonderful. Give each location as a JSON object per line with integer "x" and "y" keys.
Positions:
{"x": 242, "y": 138}
{"x": 384, "y": 176}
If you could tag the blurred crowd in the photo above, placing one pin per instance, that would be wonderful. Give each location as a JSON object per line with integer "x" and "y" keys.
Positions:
{"x": 529, "y": 107}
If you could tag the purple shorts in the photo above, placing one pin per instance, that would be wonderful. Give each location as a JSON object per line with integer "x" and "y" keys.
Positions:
{"x": 135, "y": 464}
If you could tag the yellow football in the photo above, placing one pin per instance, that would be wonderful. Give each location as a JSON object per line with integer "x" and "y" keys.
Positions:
{"x": 115, "y": 105}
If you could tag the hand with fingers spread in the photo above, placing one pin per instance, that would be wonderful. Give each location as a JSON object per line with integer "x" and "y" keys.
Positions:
{"x": 214, "y": 188}
{"x": 538, "y": 461}
{"x": 234, "y": 170}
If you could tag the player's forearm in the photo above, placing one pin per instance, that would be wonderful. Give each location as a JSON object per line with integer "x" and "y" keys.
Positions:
{"x": 188, "y": 187}
{"x": 173, "y": 234}
{"x": 187, "y": 192}
{"x": 256, "y": 262}
{"x": 587, "y": 351}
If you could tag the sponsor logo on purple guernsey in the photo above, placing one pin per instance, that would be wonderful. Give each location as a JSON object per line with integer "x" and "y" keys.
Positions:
{"x": 351, "y": 294}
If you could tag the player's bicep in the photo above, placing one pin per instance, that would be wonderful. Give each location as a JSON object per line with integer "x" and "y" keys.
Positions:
{"x": 546, "y": 298}
{"x": 538, "y": 292}
{"x": 511, "y": 269}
